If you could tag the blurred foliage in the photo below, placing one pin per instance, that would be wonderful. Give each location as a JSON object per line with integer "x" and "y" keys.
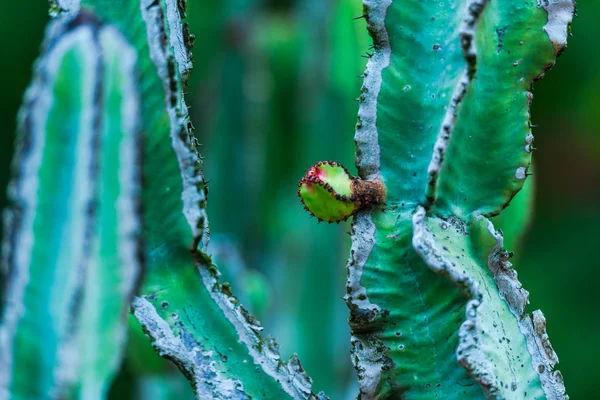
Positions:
{"x": 272, "y": 93}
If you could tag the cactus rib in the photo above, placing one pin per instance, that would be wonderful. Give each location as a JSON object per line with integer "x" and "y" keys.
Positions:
{"x": 367, "y": 361}
{"x": 72, "y": 243}
{"x": 474, "y": 9}
{"x": 452, "y": 101}
{"x": 225, "y": 334}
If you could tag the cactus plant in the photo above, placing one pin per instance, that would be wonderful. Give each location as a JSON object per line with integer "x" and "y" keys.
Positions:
{"x": 181, "y": 303}
{"x": 444, "y": 124}
{"x": 107, "y": 185}
{"x": 72, "y": 230}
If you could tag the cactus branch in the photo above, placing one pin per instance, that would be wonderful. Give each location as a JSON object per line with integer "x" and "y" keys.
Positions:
{"x": 444, "y": 124}
{"x": 72, "y": 245}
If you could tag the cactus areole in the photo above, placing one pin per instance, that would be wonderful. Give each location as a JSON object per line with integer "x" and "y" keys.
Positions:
{"x": 331, "y": 194}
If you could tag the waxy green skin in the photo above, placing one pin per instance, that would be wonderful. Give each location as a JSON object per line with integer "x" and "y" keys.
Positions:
{"x": 180, "y": 285}
{"x": 60, "y": 151}
{"x": 72, "y": 231}
{"x": 420, "y": 312}
{"x": 210, "y": 337}
{"x": 407, "y": 313}
{"x": 513, "y": 51}
{"x": 407, "y": 296}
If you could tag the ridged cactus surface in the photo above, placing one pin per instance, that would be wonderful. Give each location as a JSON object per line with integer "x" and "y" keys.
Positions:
{"x": 444, "y": 123}
{"x": 108, "y": 211}
{"x": 72, "y": 248}
{"x": 104, "y": 114}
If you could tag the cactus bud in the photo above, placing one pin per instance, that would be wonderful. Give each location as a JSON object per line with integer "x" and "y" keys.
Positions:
{"x": 331, "y": 194}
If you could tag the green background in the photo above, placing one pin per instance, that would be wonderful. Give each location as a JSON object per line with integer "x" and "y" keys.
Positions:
{"x": 272, "y": 93}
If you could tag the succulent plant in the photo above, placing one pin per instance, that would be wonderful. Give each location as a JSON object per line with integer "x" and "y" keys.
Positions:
{"x": 108, "y": 210}
{"x": 435, "y": 306}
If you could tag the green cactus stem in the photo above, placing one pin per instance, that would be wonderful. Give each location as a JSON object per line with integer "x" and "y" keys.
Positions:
{"x": 443, "y": 144}
{"x": 190, "y": 317}
{"x": 444, "y": 122}
{"x": 72, "y": 244}
{"x": 331, "y": 194}
{"x": 106, "y": 108}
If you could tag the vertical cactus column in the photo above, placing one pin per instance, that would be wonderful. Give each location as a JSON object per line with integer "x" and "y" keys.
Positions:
{"x": 444, "y": 123}
{"x": 72, "y": 244}
{"x": 106, "y": 110}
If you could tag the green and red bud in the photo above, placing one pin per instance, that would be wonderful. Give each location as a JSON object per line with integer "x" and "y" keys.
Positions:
{"x": 331, "y": 194}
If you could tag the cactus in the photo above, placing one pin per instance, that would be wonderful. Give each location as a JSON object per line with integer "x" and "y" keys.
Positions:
{"x": 443, "y": 122}
{"x": 73, "y": 235}
{"x": 111, "y": 78}
{"x": 108, "y": 211}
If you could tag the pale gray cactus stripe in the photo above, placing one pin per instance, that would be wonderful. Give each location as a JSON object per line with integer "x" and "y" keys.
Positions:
{"x": 366, "y": 137}
{"x": 492, "y": 346}
{"x": 473, "y": 11}
{"x": 86, "y": 167}
{"x": 533, "y": 327}
{"x": 292, "y": 379}
{"x": 97, "y": 367}
{"x": 198, "y": 362}
{"x": 181, "y": 137}
{"x": 560, "y": 16}
{"x": 470, "y": 354}
{"x": 290, "y": 375}
{"x": 130, "y": 175}
{"x": 368, "y": 164}
{"x": 176, "y": 38}
{"x": 20, "y": 238}
{"x": 499, "y": 345}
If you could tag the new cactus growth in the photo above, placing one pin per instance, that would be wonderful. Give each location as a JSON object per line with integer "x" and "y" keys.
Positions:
{"x": 330, "y": 194}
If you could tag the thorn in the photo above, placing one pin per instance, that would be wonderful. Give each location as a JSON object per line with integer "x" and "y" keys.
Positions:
{"x": 360, "y": 76}
{"x": 194, "y": 244}
{"x": 362, "y": 16}
{"x": 533, "y": 126}
{"x": 357, "y": 99}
